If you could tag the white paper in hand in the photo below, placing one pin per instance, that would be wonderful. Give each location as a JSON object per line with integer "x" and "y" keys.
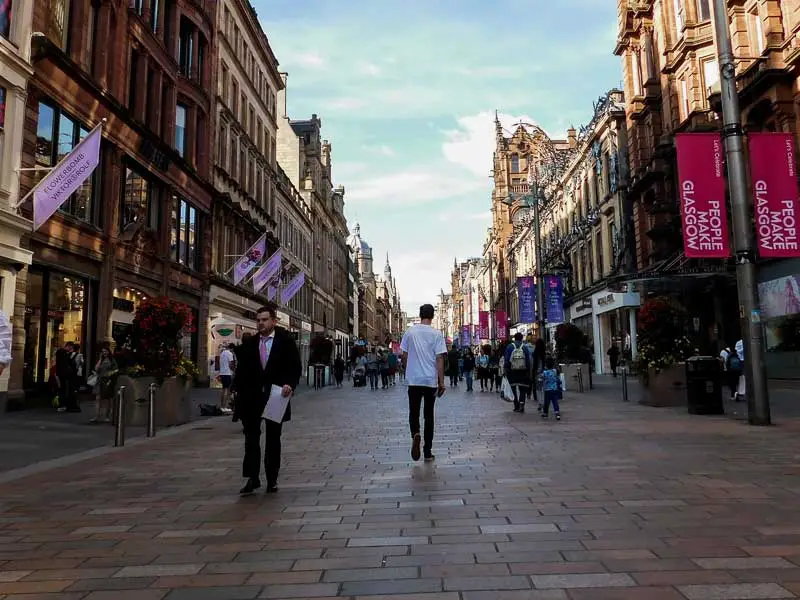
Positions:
{"x": 276, "y": 405}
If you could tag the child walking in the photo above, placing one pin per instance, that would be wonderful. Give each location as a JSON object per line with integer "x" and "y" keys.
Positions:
{"x": 551, "y": 387}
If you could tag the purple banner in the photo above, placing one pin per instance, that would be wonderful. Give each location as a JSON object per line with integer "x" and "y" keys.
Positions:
{"x": 526, "y": 290}
{"x": 292, "y": 287}
{"x": 267, "y": 271}
{"x": 554, "y": 290}
{"x": 272, "y": 291}
{"x": 67, "y": 176}
{"x": 249, "y": 260}
{"x": 465, "y": 337}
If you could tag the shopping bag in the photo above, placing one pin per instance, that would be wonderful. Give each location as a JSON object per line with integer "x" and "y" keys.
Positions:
{"x": 506, "y": 393}
{"x": 563, "y": 382}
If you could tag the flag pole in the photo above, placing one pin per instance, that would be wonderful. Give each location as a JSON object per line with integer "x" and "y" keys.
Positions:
{"x": 49, "y": 169}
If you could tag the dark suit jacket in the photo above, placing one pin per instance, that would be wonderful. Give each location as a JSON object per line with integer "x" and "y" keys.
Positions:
{"x": 283, "y": 368}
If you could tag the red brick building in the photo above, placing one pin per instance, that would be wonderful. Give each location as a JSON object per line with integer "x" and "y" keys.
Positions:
{"x": 141, "y": 225}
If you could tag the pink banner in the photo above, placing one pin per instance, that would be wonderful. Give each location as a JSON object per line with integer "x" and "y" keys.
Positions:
{"x": 701, "y": 185}
{"x": 483, "y": 324}
{"x": 774, "y": 175}
{"x": 501, "y": 324}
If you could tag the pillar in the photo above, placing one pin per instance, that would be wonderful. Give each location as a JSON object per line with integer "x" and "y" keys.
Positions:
{"x": 599, "y": 345}
{"x": 634, "y": 343}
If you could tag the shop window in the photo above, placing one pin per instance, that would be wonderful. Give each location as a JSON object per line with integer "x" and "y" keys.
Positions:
{"x": 56, "y": 135}
{"x": 55, "y": 314}
{"x": 139, "y": 201}
{"x": 5, "y": 18}
{"x": 185, "y": 233}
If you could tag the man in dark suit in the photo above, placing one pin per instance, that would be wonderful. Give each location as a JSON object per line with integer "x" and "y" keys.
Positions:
{"x": 266, "y": 359}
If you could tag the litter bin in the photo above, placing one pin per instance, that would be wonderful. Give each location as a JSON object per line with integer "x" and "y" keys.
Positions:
{"x": 704, "y": 386}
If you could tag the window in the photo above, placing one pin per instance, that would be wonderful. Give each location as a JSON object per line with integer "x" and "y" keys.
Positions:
{"x": 242, "y": 165}
{"x": 710, "y": 73}
{"x": 259, "y": 133}
{"x": 2, "y": 107}
{"x": 684, "y": 99}
{"x": 636, "y": 72}
{"x": 180, "y": 130}
{"x": 132, "y": 80}
{"x": 251, "y": 120}
{"x": 155, "y": 7}
{"x": 703, "y": 11}
{"x": 756, "y": 30}
{"x": 676, "y": 7}
{"x": 137, "y": 6}
{"x": 56, "y": 20}
{"x": 224, "y": 85}
{"x": 222, "y": 156}
{"x": 139, "y": 201}
{"x": 235, "y": 98}
{"x": 234, "y": 155}
{"x": 186, "y": 48}
{"x": 242, "y": 117}
{"x": 92, "y": 18}
{"x": 56, "y": 135}
{"x": 5, "y": 18}
{"x": 515, "y": 163}
{"x": 184, "y": 233}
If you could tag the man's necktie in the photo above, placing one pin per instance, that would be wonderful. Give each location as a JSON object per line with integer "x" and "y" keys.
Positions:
{"x": 264, "y": 352}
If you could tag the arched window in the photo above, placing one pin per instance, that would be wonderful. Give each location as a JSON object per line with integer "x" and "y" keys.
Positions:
{"x": 515, "y": 163}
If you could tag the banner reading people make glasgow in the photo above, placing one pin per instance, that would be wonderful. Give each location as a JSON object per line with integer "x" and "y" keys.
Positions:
{"x": 554, "y": 299}
{"x": 701, "y": 185}
{"x": 465, "y": 336}
{"x": 526, "y": 290}
{"x": 483, "y": 324}
{"x": 500, "y": 324}
{"x": 774, "y": 174}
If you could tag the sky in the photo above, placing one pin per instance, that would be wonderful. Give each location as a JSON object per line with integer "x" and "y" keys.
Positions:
{"x": 407, "y": 92}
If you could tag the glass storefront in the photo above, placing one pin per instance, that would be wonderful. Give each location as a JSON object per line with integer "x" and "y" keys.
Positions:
{"x": 55, "y": 314}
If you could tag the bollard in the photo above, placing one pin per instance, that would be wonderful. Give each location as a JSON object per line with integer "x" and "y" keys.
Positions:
{"x": 624, "y": 383}
{"x": 119, "y": 426}
{"x": 151, "y": 411}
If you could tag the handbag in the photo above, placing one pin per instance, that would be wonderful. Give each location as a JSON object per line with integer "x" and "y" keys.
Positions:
{"x": 92, "y": 380}
{"x": 506, "y": 393}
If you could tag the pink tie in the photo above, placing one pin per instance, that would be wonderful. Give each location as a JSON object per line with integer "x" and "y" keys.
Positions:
{"x": 263, "y": 350}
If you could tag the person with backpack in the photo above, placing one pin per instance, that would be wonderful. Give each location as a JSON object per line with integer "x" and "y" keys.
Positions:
{"x": 551, "y": 388}
{"x": 732, "y": 365}
{"x": 518, "y": 362}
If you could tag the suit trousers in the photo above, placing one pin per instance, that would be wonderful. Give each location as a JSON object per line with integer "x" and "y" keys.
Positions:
{"x": 416, "y": 395}
{"x": 251, "y": 466}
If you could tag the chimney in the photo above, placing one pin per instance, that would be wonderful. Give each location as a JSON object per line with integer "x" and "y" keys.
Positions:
{"x": 284, "y": 111}
{"x": 572, "y": 138}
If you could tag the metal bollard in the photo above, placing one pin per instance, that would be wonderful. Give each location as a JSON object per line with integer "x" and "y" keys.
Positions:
{"x": 151, "y": 411}
{"x": 119, "y": 426}
{"x": 625, "y": 383}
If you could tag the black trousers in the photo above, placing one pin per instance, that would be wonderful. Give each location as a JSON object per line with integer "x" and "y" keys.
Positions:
{"x": 251, "y": 466}
{"x": 416, "y": 394}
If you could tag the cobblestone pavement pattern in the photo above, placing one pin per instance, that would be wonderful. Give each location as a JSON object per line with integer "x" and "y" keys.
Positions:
{"x": 617, "y": 501}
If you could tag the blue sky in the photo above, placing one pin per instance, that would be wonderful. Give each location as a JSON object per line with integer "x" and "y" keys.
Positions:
{"x": 407, "y": 92}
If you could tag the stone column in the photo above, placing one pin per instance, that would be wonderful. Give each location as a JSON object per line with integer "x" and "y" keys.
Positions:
{"x": 634, "y": 337}
{"x": 112, "y": 180}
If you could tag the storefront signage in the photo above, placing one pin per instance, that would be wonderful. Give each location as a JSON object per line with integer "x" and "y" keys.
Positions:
{"x": 606, "y": 302}
{"x": 701, "y": 180}
{"x": 306, "y": 326}
{"x": 555, "y": 299}
{"x": 526, "y": 290}
{"x": 154, "y": 155}
{"x": 774, "y": 175}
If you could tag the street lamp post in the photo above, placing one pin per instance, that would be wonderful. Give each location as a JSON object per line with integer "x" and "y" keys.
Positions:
{"x": 743, "y": 238}
{"x": 537, "y": 240}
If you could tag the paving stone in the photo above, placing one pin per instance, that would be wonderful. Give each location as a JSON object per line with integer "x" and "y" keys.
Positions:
{"x": 311, "y": 590}
{"x": 582, "y": 580}
{"x": 508, "y": 582}
{"x": 159, "y": 570}
{"x": 731, "y": 564}
{"x": 345, "y": 575}
{"x": 735, "y": 591}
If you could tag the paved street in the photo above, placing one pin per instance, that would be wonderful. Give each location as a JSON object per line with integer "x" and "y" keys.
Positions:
{"x": 617, "y": 501}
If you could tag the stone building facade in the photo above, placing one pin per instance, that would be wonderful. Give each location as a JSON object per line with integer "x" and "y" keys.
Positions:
{"x": 15, "y": 71}
{"x": 140, "y": 225}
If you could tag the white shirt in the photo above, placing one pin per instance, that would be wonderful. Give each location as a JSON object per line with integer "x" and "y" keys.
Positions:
{"x": 724, "y": 353}
{"x": 740, "y": 349}
{"x": 225, "y": 360}
{"x": 423, "y": 344}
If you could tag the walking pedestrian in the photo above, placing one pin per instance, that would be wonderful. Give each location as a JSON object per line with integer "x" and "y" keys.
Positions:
{"x": 539, "y": 355}
{"x": 372, "y": 370}
{"x": 613, "y": 358}
{"x": 105, "y": 379}
{"x": 483, "y": 368}
{"x": 67, "y": 371}
{"x": 453, "y": 370}
{"x": 268, "y": 359}
{"x": 227, "y": 364}
{"x": 392, "y": 359}
{"x": 493, "y": 370}
{"x": 551, "y": 386}
{"x": 518, "y": 363}
{"x": 424, "y": 353}
{"x": 469, "y": 368}
{"x": 338, "y": 370}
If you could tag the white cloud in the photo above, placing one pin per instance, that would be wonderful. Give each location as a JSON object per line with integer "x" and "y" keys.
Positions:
{"x": 310, "y": 60}
{"x": 504, "y": 72}
{"x": 346, "y": 103}
{"x": 370, "y": 69}
{"x": 452, "y": 216}
{"x": 419, "y": 276}
{"x": 382, "y": 150}
{"x": 416, "y": 185}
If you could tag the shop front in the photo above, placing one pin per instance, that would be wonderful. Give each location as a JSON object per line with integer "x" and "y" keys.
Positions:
{"x": 614, "y": 323}
{"x": 779, "y": 294}
{"x": 230, "y": 316}
{"x": 60, "y": 307}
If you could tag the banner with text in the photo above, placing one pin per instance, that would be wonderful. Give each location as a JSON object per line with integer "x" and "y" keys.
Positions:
{"x": 774, "y": 175}
{"x": 483, "y": 324}
{"x": 249, "y": 260}
{"x": 554, "y": 300}
{"x": 526, "y": 290}
{"x": 267, "y": 271}
{"x": 701, "y": 185}
{"x": 292, "y": 287}
{"x": 500, "y": 324}
{"x": 465, "y": 336}
{"x": 68, "y": 175}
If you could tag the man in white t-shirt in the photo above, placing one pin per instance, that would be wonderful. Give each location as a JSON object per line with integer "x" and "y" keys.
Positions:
{"x": 227, "y": 363}
{"x": 423, "y": 350}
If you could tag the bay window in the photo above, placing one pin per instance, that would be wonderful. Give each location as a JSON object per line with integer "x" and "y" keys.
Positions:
{"x": 184, "y": 233}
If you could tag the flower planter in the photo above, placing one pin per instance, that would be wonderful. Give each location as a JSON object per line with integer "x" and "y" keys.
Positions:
{"x": 665, "y": 388}
{"x": 173, "y": 405}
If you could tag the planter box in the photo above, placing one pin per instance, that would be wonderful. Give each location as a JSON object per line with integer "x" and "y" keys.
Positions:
{"x": 666, "y": 388}
{"x": 173, "y": 405}
{"x": 571, "y": 377}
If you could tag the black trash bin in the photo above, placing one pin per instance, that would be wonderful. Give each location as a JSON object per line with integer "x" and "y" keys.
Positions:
{"x": 704, "y": 386}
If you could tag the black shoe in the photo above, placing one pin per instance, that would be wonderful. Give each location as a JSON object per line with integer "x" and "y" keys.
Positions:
{"x": 272, "y": 488}
{"x": 429, "y": 457}
{"x": 522, "y": 408}
{"x": 516, "y": 406}
{"x": 415, "y": 447}
{"x": 251, "y": 486}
